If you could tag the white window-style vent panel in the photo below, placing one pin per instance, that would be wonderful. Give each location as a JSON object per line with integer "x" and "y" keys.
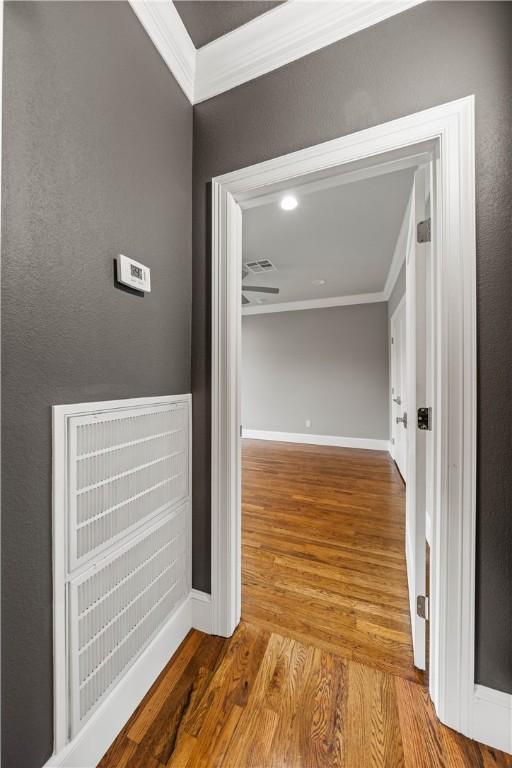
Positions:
{"x": 259, "y": 266}
{"x": 123, "y": 470}
{"x": 121, "y": 542}
{"x": 117, "y": 607}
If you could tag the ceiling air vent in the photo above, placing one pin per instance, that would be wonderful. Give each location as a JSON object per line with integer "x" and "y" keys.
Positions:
{"x": 262, "y": 265}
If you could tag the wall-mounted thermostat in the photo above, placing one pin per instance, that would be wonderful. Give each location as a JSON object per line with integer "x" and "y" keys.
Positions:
{"x": 130, "y": 272}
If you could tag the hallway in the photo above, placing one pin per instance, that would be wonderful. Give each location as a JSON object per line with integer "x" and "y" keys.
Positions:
{"x": 319, "y": 672}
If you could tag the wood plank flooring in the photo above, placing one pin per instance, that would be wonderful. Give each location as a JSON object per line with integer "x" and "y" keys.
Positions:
{"x": 323, "y": 550}
{"x": 319, "y": 671}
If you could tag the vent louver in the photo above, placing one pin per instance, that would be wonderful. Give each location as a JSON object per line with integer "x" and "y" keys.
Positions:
{"x": 118, "y": 608}
{"x": 122, "y": 540}
{"x": 262, "y": 265}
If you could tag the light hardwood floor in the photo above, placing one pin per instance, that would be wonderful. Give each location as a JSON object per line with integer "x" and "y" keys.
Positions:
{"x": 319, "y": 672}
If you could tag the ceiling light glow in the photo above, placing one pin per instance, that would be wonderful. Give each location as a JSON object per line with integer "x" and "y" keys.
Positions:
{"x": 289, "y": 203}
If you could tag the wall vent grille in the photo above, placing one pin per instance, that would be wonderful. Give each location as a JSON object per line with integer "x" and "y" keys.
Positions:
{"x": 117, "y": 608}
{"x": 122, "y": 541}
{"x": 124, "y": 470}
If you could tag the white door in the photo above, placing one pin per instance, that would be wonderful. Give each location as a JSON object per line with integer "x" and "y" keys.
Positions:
{"x": 398, "y": 388}
{"x": 416, "y": 387}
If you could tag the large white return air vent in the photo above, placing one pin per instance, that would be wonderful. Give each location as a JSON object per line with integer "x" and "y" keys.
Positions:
{"x": 122, "y": 541}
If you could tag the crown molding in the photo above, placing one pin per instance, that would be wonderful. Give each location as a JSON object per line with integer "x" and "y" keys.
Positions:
{"x": 164, "y": 26}
{"x": 282, "y": 35}
{"x": 331, "y": 301}
{"x": 269, "y": 41}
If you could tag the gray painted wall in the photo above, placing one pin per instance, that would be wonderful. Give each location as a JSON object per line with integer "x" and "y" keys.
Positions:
{"x": 428, "y": 55}
{"x": 327, "y": 365}
{"x": 97, "y": 160}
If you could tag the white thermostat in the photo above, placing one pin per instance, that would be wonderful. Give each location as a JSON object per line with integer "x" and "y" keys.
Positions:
{"x": 130, "y": 272}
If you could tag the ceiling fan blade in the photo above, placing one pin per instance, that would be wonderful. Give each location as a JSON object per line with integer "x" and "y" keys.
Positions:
{"x": 245, "y": 300}
{"x": 260, "y": 289}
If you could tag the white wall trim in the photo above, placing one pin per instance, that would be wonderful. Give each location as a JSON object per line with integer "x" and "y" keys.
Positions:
{"x": 163, "y": 24}
{"x": 88, "y": 747}
{"x": 366, "y": 443}
{"x": 286, "y": 33}
{"x": 201, "y": 603}
{"x": 269, "y": 41}
{"x": 332, "y": 301}
{"x": 449, "y": 130}
{"x": 492, "y": 718}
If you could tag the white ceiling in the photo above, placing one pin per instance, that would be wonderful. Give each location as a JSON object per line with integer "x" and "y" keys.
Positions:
{"x": 345, "y": 235}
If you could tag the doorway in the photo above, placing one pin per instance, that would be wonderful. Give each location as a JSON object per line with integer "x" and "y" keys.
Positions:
{"x": 445, "y": 134}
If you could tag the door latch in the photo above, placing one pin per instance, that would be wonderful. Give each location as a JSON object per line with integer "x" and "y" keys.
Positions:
{"x": 402, "y": 420}
{"x": 424, "y": 418}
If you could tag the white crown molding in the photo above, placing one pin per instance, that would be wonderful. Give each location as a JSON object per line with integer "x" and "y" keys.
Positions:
{"x": 286, "y": 33}
{"x": 163, "y": 24}
{"x": 269, "y": 41}
{"x": 332, "y": 301}
{"x": 364, "y": 443}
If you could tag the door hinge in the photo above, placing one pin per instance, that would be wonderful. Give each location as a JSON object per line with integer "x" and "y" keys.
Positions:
{"x": 402, "y": 420}
{"x": 424, "y": 231}
{"x": 392, "y": 340}
{"x": 392, "y": 441}
{"x": 422, "y": 607}
{"x": 424, "y": 418}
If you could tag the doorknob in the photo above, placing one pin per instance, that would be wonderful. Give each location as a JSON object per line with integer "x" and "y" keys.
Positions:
{"x": 397, "y": 400}
{"x": 402, "y": 420}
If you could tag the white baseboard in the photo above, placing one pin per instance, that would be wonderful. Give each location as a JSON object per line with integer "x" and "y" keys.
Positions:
{"x": 492, "y": 718}
{"x": 88, "y": 746}
{"x": 308, "y": 439}
{"x": 201, "y": 603}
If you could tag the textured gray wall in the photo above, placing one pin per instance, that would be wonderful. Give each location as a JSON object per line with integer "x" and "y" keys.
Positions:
{"x": 428, "y": 55}
{"x": 97, "y": 160}
{"x": 206, "y": 20}
{"x": 327, "y": 365}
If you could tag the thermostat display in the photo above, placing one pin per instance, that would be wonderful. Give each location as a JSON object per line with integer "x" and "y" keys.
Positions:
{"x": 130, "y": 272}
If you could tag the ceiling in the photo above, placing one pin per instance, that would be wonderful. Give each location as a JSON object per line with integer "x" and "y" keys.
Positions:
{"x": 206, "y": 20}
{"x": 345, "y": 235}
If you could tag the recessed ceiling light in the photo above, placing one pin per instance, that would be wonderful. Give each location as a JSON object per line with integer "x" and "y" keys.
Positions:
{"x": 289, "y": 202}
{"x": 318, "y": 282}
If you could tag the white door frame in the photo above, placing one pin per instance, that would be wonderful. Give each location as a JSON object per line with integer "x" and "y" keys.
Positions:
{"x": 448, "y": 128}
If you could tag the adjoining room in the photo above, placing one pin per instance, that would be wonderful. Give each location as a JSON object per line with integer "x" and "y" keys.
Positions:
{"x": 323, "y": 503}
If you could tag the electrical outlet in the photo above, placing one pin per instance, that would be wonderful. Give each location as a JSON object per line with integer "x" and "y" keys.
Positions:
{"x": 308, "y": 423}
